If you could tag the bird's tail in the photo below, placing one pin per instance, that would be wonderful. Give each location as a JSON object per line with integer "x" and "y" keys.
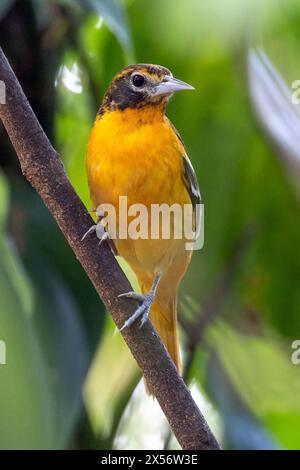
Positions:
{"x": 163, "y": 316}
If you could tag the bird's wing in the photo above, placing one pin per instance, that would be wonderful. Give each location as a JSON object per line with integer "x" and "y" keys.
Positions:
{"x": 188, "y": 174}
{"x": 190, "y": 181}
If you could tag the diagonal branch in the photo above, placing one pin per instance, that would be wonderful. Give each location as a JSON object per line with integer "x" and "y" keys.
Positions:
{"x": 44, "y": 170}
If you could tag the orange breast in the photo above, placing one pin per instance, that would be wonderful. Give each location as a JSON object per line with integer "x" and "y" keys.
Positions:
{"x": 135, "y": 153}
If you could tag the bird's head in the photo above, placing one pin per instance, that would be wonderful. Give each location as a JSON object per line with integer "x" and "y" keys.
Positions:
{"x": 140, "y": 85}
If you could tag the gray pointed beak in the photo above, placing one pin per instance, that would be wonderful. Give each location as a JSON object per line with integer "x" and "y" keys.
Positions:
{"x": 169, "y": 85}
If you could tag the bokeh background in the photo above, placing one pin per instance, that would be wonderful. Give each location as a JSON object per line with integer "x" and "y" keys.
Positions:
{"x": 69, "y": 381}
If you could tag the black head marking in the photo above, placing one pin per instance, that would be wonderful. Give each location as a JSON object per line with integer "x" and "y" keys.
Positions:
{"x": 132, "y": 87}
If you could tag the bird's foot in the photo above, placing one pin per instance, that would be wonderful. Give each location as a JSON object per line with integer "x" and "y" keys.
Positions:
{"x": 143, "y": 310}
{"x": 101, "y": 233}
{"x": 145, "y": 302}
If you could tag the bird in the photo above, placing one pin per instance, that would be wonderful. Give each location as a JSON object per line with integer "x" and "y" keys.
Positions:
{"x": 135, "y": 151}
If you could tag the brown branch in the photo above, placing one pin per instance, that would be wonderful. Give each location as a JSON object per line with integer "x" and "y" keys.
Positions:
{"x": 44, "y": 170}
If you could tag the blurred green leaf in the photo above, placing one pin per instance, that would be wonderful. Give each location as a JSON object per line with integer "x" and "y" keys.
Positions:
{"x": 241, "y": 428}
{"x": 57, "y": 330}
{"x": 263, "y": 374}
{"x": 62, "y": 337}
{"x": 73, "y": 122}
{"x": 112, "y": 375}
{"x": 40, "y": 396}
{"x": 115, "y": 17}
{"x": 43, "y": 248}
{"x": 25, "y": 399}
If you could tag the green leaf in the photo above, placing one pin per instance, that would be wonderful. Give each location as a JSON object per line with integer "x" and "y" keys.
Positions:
{"x": 115, "y": 17}
{"x": 261, "y": 371}
{"x": 66, "y": 311}
{"x": 25, "y": 400}
{"x": 46, "y": 357}
{"x": 241, "y": 428}
{"x": 112, "y": 374}
{"x": 63, "y": 341}
{"x": 44, "y": 248}
{"x": 72, "y": 138}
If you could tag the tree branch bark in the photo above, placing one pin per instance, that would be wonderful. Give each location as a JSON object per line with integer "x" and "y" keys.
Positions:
{"x": 43, "y": 168}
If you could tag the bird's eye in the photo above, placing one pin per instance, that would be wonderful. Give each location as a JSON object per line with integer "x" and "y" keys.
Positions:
{"x": 138, "y": 80}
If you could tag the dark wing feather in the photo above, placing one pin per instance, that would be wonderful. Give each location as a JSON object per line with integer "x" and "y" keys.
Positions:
{"x": 189, "y": 175}
{"x": 191, "y": 184}
{"x": 190, "y": 181}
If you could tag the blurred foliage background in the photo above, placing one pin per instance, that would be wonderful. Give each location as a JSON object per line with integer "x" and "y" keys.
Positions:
{"x": 69, "y": 381}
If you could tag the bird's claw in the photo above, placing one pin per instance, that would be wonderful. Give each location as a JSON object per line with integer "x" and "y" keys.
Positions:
{"x": 101, "y": 233}
{"x": 142, "y": 311}
{"x": 145, "y": 302}
{"x": 90, "y": 230}
{"x": 132, "y": 295}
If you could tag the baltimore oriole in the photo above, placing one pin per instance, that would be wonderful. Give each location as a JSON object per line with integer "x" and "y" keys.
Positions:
{"x": 135, "y": 151}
